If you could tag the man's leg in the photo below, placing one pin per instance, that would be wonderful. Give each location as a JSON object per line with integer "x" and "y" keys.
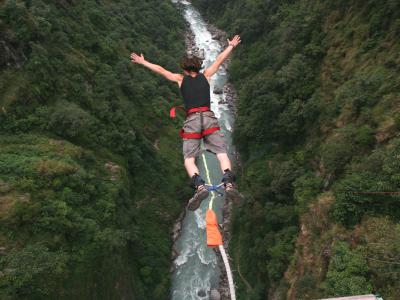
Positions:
{"x": 191, "y": 150}
{"x": 197, "y": 183}
{"x": 193, "y": 172}
{"x": 190, "y": 165}
{"x": 229, "y": 179}
{"x": 224, "y": 161}
{"x": 216, "y": 144}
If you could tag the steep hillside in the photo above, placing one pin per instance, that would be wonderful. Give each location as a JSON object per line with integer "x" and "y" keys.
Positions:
{"x": 87, "y": 149}
{"x": 318, "y": 131}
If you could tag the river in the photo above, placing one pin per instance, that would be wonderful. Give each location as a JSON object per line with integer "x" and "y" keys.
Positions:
{"x": 196, "y": 269}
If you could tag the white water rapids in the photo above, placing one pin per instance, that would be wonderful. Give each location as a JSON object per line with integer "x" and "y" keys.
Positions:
{"x": 196, "y": 269}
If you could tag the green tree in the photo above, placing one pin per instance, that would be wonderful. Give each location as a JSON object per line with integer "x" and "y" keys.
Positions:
{"x": 347, "y": 273}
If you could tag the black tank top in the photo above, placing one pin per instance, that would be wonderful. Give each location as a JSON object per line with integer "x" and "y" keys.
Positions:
{"x": 195, "y": 91}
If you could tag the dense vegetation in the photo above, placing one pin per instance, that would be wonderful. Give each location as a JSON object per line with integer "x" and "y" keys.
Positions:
{"x": 86, "y": 148}
{"x": 318, "y": 132}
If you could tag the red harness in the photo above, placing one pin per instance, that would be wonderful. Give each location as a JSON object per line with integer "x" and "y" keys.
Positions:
{"x": 193, "y": 135}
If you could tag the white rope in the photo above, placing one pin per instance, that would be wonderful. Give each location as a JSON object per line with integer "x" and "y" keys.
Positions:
{"x": 221, "y": 247}
{"x": 228, "y": 272}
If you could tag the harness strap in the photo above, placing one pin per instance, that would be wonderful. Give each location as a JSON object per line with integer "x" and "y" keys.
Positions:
{"x": 193, "y": 135}
{"x": 172, "y": 112}
{"x": 197, "y": 109}
{"x": 198, "y": 135}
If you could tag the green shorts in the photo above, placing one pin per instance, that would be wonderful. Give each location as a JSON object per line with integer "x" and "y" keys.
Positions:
{"x": 213, "y": 142}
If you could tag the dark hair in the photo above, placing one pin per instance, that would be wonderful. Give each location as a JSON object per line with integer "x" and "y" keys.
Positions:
{"x": 191, "y": 63}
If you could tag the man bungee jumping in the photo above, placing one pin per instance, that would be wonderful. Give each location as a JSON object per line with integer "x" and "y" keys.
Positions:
{"x": 200, "y": 123}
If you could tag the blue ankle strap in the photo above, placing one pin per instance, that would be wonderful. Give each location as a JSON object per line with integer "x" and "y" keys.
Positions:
{"x": 215, "y": 188}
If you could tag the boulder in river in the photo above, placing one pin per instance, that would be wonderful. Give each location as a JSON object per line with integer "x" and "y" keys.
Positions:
{"x": 215, "y": 295}
{"x": 200, "y": 54}
{"x": 218, "y": 91}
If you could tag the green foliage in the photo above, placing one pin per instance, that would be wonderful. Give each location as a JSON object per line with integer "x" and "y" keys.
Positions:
{"x": 318, "y": 78}
{"x": 397, "y": 121}
{"x": 33, "y": 272}
{"x": 348, "y": 272}
{"x": 367, "y": 187}
{"x": 341, "y": 146}
{"x": 381, "y": 241}
{"x": 59, "y": 196}
{"x": 359, "y": 93}
{"x": 364, "y": 137}
{"x": 80, "y": 129}
{"x": 306, "y": 189}
{"x": 71, "y": 121}
{"x": 307, "y": 287}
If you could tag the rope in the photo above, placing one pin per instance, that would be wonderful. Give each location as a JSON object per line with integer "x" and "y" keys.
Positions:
{"x": 228, "y": 272}
{"x": 210, "y": 205}
{"x": 221, "y": 247}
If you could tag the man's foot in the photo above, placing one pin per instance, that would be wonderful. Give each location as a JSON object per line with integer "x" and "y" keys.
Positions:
{"x": 230, "y": 187}
{"x": 200, "y": 195}
{"x": 233, "y": 194}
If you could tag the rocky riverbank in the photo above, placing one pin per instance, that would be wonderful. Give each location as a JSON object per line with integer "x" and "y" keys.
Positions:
{"x": 176, "y": 230}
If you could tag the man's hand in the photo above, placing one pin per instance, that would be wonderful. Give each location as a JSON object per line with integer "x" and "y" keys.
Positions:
{"x": 137, "y": 59}
{"x": 156, "y": 68}
{"x": 235, "y": 41}
{"x": 211, "y": 70}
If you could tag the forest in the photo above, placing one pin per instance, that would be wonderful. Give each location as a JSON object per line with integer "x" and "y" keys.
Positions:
{"x": 318, "y": 134}
{"x": 87, "y": 200}
{"x": 86, "y": 149}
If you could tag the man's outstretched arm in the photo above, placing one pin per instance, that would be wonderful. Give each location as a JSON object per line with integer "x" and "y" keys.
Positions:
{"x": 210, "y": 71}
{"x": 156, "y": 68}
